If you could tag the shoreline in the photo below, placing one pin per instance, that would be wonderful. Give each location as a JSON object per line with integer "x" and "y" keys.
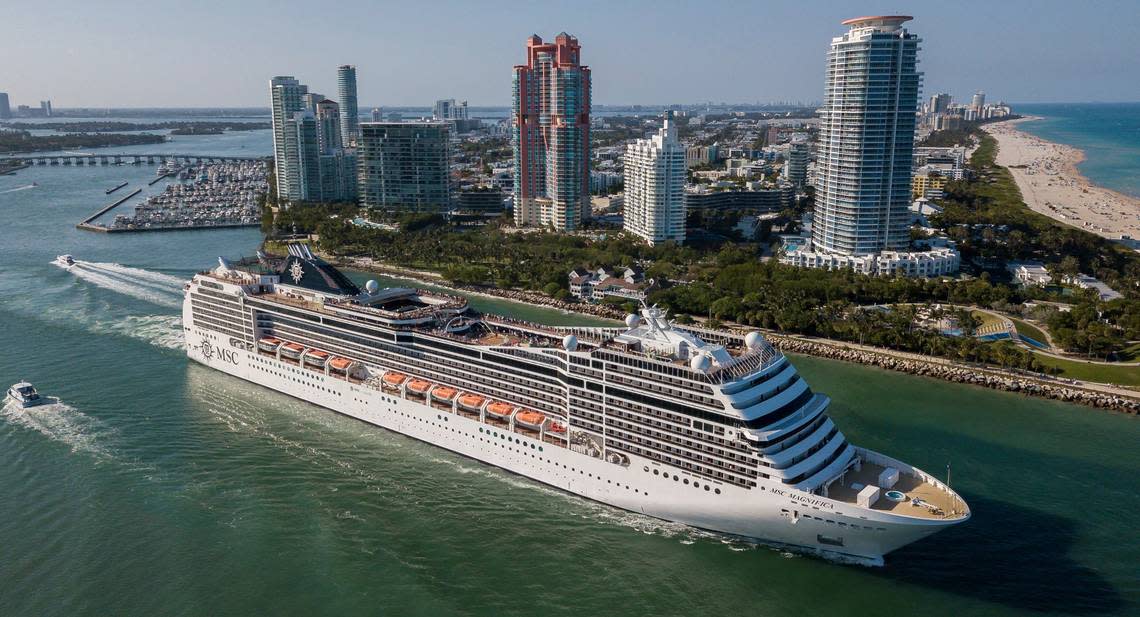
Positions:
{"x": 1102, "y": 396}
{"x": 1051, "y": 183}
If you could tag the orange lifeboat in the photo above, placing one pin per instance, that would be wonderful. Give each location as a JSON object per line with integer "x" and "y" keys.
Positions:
{"x": 269, "y": 344}
{"x": 530, "y": 419}
{"x": 444, "y": 393}
{"x": 292, "y": 350}
{"x": 557, "y": 427}
{"x": 316, "y": 357}
{"x": 340, "y": 364}
{"x": 419, "y": 386}
{"x": 471, "y": 401}
{"x": 394, "y": 379}
{"x": 500, "y": 409}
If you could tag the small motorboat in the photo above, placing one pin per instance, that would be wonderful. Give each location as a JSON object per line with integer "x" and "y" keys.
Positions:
{"x": 443, "y": 393}
{"x": 24, "y": 394}
{"x": 64, "y": 261}
{"x": 500, "y": 409}
{"x": 471, "y": 402}
{"x": 419, "y": 386}
{"x": 269, "y": 344}
{"x": 530, "y": 418}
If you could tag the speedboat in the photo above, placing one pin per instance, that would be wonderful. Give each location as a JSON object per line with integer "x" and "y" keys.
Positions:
{"x": 24, "y": 394}
{"x": 64, "y": 261}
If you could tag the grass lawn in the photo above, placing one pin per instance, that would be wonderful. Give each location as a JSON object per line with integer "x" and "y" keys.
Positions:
{"x": 987, "y": 319}
{"x": 1120, "y": 375}
{"x": 1025, "y": 328}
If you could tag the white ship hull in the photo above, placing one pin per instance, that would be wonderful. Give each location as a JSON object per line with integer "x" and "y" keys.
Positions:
{"x": 775, "y": 514}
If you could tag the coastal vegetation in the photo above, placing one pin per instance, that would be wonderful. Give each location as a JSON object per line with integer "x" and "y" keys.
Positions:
{"x": 14, "y": 142}
{"x": 108, "y": 126}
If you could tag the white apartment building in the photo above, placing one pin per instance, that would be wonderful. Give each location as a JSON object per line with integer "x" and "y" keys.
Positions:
{"x": 655, "y": 185}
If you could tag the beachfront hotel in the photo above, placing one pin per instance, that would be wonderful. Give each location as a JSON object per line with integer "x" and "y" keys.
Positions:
{"x": 864, "y": 155}
{"x": 550, "y": 133}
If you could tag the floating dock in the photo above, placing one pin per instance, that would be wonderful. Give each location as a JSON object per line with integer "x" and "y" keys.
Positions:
{"x": 115, "y": 188}
{"x": 161, "y": 178}
{"x": 86, "y": 224}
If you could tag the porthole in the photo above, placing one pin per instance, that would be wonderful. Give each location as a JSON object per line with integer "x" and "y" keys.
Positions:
{"x": 717, "y": 491}
{"x": 686, "y": 481}
{"x": 706, "y": 487}
{"x": 656, "y": 472}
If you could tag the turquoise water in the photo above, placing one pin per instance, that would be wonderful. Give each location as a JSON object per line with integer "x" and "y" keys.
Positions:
{"x": 1109, "y": 133}
{"x": 162, "y": 488}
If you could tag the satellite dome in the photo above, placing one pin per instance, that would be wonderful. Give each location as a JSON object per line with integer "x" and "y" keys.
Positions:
{"x": 752, "y": 340}
{"x": 570, "y": 342}
{"x": 632, "y": 320}
{"x": 701, "y": 363}
{"x": 372, "y": 287}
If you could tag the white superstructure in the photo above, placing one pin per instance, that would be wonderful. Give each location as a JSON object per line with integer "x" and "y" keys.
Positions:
{"x": 700, "y": 427}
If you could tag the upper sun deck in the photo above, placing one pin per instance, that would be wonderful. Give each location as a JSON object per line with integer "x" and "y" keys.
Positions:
{"x": 915, "y": 493}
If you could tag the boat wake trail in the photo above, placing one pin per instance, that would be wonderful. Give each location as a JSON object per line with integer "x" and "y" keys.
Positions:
{"x": 18, "y": 188}
{"x": 163, "y": 331}
{"x": 60, "y": 422}
{"x": 135, "y": 288}
{"x": 165, "y": 280}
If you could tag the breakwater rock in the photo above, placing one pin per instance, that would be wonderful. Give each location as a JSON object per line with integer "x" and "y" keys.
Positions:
{"x": 959, "y": 374}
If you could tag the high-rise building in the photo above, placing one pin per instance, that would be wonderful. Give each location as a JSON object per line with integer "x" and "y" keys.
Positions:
{"x": 550, "y": 128}
{"x": 866, "y": 139}
{"x": 287, "y": 96}
{"x": 5, "y": 107}
{"x": 349, "y": 108}
{"x": 795, "y": 167}
{"x": 377, "y": 116}
{"x": 448, "y": 109}
{"x": 328, "y": 125}
{"x": 979, "y": 101}
{"x": 655, "y": 186}
{"x": 45, "y": 107}
{"x": 939, "y": 103}
{"x": 302, "y": 157}
{"x": 309, "y": 102}
{"x": 405, "y": 166}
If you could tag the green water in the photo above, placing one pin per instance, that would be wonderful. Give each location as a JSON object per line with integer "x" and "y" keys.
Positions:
{"x": 161, "y": 488}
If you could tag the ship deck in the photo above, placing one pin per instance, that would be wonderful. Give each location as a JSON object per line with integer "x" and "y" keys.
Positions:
{"x": 945, "y": 505}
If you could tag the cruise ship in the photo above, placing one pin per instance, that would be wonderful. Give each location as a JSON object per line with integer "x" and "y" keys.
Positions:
{"x": 710, "y": 429}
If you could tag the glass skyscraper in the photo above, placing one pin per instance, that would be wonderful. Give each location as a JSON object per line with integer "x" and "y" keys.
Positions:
{"x": 349, "y": 108}
{"x": 866, "y": 139}
{"x": 550, "y": 126}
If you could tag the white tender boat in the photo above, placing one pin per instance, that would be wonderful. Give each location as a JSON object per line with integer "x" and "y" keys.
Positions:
{"x": 64, "y": 261}
{"x": 24, "y": 394}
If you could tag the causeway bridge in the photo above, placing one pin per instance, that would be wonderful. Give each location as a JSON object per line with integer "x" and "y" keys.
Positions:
{"x": 79, "y": 159}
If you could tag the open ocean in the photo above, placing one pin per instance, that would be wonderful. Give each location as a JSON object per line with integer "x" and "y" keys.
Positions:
{"x": 160, "y": 487}
{"x": 1109, "y": 133}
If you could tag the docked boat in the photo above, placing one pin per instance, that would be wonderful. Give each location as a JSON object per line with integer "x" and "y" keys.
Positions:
{"x": 64, "y": 261}
{"x": 268, "y": 344}
{"x": 292, "y": 350}
{"x": 419, "y": 386}
{"x": 444, "y": 393}
{"x": 316, "y": 357}
{"x": 25, "y": 395}
{"x": 499, "y": 409}
{"x": 530, "y": 418}
{"x": 471, "y": 402}
{"x": 340, "y": 365}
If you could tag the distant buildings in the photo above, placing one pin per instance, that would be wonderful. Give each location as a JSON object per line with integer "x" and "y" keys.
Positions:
{"x": 286, "y": 95}
{"x": 377, "y": 116}
{"x": 448, "y": 109}
{"x": 979, "y": 101}
{"x": 755, "y": 198}
{"x": 702, "y": 155}
{"x": 311, "y": 161}
{"x": 796, "y": 163}
{"x": 861, "y": 218}
{"x": 654, "y": 186}
{"x": 5, "y": 107}
{"x": 45, "y": 107}
{"x": 551, "y": 135}
{"x": 350, "y": 108}
{"x": 404, "y": 166}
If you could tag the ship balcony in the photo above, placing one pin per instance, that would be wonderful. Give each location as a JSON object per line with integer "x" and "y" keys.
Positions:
{"x": 922, "y": 495}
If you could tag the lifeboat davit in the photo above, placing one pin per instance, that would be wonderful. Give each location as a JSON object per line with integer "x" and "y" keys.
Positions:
{"x": 340, "y": 364}
{"x": 530, "y": 419}
{"x": 394, "y": 379}
{"x": 292, "y": 350}
{"x": 444, "y": 393}
{"x": 472, "y": 402}
{"x": 269, "y": 344}
{"x": 316, "y": 357}
{"x": 557, "y": 427}
{"x": 419, "y": 386}
{"x": 500, "y": 409}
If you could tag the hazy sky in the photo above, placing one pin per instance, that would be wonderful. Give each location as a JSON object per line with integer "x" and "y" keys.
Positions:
{"x": 196, "y": 53}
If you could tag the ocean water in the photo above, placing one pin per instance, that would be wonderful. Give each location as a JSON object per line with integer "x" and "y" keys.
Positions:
{"x": 158, "y": 487}
{"x": 1109, "y": 134}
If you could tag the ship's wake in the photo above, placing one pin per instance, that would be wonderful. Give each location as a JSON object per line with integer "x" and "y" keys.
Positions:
{"x": 60, "y": 422}
{"x": 166, "y": 281}
{"x": 133, "y": 286}
{"x": 163, "y": 331}
{"x": 18, "y": 188}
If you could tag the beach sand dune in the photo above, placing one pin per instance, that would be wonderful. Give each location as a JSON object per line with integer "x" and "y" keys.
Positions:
{"x": 1051, "y": 184}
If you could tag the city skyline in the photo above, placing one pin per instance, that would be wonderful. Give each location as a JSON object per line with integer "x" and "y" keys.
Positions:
{"x": 763, "y": 54}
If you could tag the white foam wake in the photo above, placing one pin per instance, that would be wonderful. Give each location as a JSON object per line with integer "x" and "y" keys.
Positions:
{"x": 19, "y": 188}
{"x": 167, "y": 280}
{"x": 59, "y": 422}
{"x": 148, "y": 293}
{"x": 159, "y": 330}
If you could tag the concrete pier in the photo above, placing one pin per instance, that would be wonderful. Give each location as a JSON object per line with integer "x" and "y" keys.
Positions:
{"x": 87, "y": 224}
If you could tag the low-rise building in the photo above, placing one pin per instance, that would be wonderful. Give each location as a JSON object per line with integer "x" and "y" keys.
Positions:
{"x": 936, "y": 261}
{"x": 756, "y": 199}
{"x": 1085, "y": 281}
{"x": 596, "y": 285}
{"x": 1029, "y": 272}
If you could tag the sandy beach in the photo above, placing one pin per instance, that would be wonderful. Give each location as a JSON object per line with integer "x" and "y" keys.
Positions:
{"x": 1051, "y": 184}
